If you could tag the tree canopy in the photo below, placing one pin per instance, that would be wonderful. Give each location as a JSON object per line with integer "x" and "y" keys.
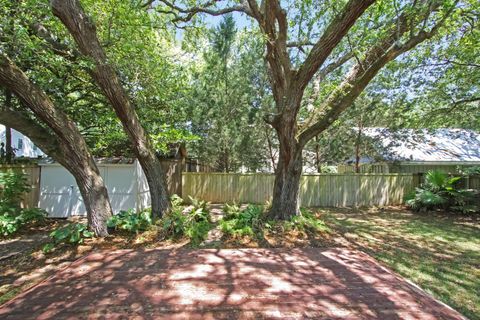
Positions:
{"x": 246, "y": 85}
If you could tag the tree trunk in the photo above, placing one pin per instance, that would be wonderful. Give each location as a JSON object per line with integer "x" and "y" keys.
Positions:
{"x": 286, "y": 202}
{"x": 160, "y": 200}
{"x": 62, "y": 141}
{"x": 8, "y": 145}
{"x": 94, "y": 194}
{"x": 83, "y": 30}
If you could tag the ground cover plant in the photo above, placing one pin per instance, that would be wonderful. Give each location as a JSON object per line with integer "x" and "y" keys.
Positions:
{"x": 12, "y": 216}
{"x": 250, "y": 225}
{"x": 74, "y": 234}
{"x": 131, "y": 221}
{"x": 194, "y": 222}
{"x": 237, "y": 222}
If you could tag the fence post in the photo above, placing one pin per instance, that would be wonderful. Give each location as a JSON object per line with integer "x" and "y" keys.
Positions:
{"x": 417, "y": 179}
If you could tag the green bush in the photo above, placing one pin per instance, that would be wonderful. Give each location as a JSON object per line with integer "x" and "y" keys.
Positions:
{"x": 12, "y": 186}
{"x": 241, "y": 222}
{"x": 74, "y": 233}
{"x": 439, "y": 191}
{"x": 13, "y": 220}
{"x": 12, "y": 216}
{"x": 470, "y": 171}
{"x": 131, "y": 221}
{"x": 194, "y": 224}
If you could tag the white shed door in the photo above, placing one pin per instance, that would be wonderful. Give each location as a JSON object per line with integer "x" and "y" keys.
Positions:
{"x": 59, "y": 194}
{"x": 121, "y": 183}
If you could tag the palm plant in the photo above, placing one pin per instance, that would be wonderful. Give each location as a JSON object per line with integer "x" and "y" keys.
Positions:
{"x": 440, "y": 191}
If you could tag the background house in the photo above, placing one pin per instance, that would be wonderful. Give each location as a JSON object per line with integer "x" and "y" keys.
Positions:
{"x": 22, "y": 145}
{"x": 418, "y": 151}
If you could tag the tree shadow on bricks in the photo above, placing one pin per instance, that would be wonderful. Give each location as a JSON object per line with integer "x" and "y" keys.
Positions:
{"x": 225, "y": 284}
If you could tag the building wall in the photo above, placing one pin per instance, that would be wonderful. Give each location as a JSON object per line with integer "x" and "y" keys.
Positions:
{"x": 61, "y": 198}
{"x": 23, "y": 146}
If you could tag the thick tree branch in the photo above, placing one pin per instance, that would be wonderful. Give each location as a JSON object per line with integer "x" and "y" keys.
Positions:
{"x": 30, "y": 128}
{"x": 33, "y": 97}
{"x": 334, "y": 33}
{"x": 467, "y": 100}
{"x": 274, "y": 25}
{"x": 56, "y": 46}
{"x": 362, "y": 73}
{"x": 186, "y": 14}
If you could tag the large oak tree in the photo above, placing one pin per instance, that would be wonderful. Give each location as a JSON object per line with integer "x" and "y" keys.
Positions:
{"x": 304, "y": 43}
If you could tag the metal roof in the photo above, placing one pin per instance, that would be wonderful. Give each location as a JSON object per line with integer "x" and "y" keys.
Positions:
{"x": 426, "y": 145}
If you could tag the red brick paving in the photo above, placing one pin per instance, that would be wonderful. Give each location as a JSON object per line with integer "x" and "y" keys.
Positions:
{"x": 311, "y": 283}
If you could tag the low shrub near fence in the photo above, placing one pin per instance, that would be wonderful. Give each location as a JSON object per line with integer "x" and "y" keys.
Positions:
{"x": 31, "y": 172}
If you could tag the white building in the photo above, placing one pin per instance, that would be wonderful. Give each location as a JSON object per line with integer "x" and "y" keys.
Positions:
{"x": 21, "y": 144}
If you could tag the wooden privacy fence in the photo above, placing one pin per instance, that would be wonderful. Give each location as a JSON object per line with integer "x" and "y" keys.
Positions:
{"x": 329, "y": 190}
{"x": 32, "y": 173}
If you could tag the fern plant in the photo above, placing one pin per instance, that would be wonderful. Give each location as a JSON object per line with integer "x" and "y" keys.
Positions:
{"x": 194, "y": 224}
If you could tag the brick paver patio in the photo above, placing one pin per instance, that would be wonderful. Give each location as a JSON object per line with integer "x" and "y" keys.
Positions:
{"x": 308, "y": 283}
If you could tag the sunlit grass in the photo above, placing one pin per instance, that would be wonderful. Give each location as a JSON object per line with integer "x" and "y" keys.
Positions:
{"x": 439, "y": 253}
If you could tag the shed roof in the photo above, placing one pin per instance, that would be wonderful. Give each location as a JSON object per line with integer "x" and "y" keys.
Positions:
{"x": 458, "y": 145}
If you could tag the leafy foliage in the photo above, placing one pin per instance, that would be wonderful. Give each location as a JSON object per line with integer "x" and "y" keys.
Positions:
{"x": 12, "y": 216}
{"x": 73, "y": 233}
{"x": 241, "y": 222}
{"x": 251, "y": 222}
{"x": 228, "y": 88}
{"x": 194, "y": 224}
{"x": 176, "y": 200}
{"x": 439, "y": 191}
{"x": 12, "y": 221}
{"x": 470, "y": 171}
{"x": 307, "y": 221}
{"x": 131, "y": 221}
{"x": 12, "y": 186}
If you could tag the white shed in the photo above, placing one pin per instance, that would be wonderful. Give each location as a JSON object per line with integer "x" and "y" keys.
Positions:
{"x": 61, "y": 198}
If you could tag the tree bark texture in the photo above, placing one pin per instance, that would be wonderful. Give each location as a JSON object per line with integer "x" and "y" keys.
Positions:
{"x": 83, "y": 31}
{"x": 61, "y": 140}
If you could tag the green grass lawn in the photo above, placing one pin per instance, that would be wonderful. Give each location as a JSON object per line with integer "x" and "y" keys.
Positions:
{"x": 439, "y": 253}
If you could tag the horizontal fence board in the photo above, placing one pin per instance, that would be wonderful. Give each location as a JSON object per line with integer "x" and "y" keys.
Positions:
{"x": 329, "y": 190}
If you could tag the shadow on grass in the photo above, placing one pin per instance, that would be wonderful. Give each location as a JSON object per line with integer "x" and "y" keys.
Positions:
{"x": 439, "y": 252}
